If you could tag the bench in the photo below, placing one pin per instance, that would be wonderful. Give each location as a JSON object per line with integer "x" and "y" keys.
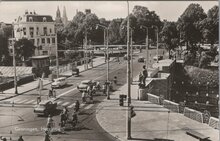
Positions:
{"x": 196, "y": 134}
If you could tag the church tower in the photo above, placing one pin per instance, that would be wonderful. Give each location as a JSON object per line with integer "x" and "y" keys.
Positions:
{"x": 58, "y": 17}
{"x": 64, "y": 19}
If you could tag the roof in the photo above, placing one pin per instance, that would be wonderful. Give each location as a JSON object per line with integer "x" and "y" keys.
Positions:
{"x": 39, "y": 18}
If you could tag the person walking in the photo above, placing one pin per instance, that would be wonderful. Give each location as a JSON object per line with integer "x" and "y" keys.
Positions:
{"x": 20, "y": 138}
{"x": 145, "y": 75}
{"x": 77, "y": 105}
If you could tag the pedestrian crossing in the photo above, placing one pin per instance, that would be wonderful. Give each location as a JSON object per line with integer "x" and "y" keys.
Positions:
{"x": 21, "y": 101}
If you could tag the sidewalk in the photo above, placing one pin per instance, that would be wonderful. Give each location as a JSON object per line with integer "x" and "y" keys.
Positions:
{"x": 33, "y": 85}
{"x": 151, "y": 123}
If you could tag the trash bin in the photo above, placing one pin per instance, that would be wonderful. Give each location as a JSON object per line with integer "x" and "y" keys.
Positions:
{"x": 121, "y": 99}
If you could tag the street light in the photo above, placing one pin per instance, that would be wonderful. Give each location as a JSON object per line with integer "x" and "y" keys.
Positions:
{"x": 131, "y": 30}
{"x": 147, "y": 44}
{"x": 157, "y": 40}
{"x": 14, "y": 62}
{"x": 128, "y": 79}
{"x": 106, "y": 28}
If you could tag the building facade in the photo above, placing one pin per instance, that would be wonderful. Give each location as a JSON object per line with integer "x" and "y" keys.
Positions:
{"x": 40, "y": 29}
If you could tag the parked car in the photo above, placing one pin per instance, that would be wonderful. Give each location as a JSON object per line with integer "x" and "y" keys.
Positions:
{"x": 59, "y": 82}
{"x": 140, "y": 59}
{"x": 160, "y": 57}
{"x": 84, "y": 85}
{"x": 45, "y": 107}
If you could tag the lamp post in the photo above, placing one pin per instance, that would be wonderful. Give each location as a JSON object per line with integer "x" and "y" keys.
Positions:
{"x": 128, "y": 79}
{"x": 14, "y": 63}
{"x": 106, "y": 32}
{"x": 147, "y": 44}
{"x": 57, "y": 59}
{"x": 157, "y": 41}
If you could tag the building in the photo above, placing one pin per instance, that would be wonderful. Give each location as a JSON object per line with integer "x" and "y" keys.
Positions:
{"x": 40, "y": 29}
{"x": 61, "y": 21}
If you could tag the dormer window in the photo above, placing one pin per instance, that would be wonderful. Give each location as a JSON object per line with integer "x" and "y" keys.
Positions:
{"x": 44, "y": 19}
{"x": 30, "y": 19}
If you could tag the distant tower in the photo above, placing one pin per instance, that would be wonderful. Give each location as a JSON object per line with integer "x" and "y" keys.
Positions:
{"x": 64, "y": 19}
{"x": 58, "y": 17}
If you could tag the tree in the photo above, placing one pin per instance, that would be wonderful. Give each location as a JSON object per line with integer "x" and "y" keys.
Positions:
{"x": 146, "y": 18}
{"x": 209, "y": 26}
{"x": 188, "y": 24}
{"x": 4, "y": 53}
{"x": 123, "y": 27}
{"x": 114, "y": 31}
{"x": 169, "y": 35}
{"x": 24, "y": 49}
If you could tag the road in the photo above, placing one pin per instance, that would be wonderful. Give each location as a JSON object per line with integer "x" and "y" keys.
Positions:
{"x": 20, "y": 119}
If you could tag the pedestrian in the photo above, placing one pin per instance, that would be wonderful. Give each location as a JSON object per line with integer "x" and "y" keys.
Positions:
{"x": 115, "y": 80}
{"x": 83, "y": 96}
{"x": 145, "y": 75}
{"x": 20, "y": 138}
{"x": 54, "y": 93}
{"x": 38, "y": 99}
{"x": 77, "y": 105}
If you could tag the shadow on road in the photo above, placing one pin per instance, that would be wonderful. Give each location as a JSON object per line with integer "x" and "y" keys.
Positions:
{"x": 156, "y": 139}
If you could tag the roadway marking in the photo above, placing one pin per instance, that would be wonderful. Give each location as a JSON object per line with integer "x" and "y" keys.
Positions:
{"x": 22, "y": 101}
{"x": 29, "y": 102}
{"x": 71, "y": 106}
{"x": 88, "y": 107}
{"x": 66, "y": 103}
{"x": 59, "y": 102}
{"x": 16, "y": 100}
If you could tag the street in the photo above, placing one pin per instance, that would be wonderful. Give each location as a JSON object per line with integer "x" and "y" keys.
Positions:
{"x": 21, "y": 120}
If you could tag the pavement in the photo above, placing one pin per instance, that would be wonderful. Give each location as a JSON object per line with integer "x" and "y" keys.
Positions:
{"x": 33, "y": 85}
{"x": 151, "y": 123}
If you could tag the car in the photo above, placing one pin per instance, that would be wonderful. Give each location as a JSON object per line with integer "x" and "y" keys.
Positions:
{"x": 82, "y": 87}
{"x": 59, "y": 82}
{"x": 159, "y": 57}
{"x": 125, "y": 57}
{"x": 141, "y": 59}
{"x": 45, "y": 107}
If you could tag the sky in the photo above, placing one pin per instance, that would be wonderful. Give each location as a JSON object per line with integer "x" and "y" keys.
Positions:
{"x": 169, "y": 10}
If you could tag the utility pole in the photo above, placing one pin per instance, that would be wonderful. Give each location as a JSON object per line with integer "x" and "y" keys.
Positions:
{"x": 14, "y": 63}
{"x": 131, "y": 56}
{"x": 128, "y": 79}
{"x": 108, "y": 96}
{"x": 107, "y": 56}
{"x": 147, "y": 44}
{"x": 57, "y": 59}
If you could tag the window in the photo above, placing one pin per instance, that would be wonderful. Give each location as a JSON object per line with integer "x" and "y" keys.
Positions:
{"x": 50, "y": 30}
{"x": 38, "y": 41}
{"x": 32, "y": 40}
{"x": 37, "y": 32}
{"x": 44, "y": 19}
{"x": 45, "y": 30}
{"x": 24, "y": 30}
{"x": 53, "y": 40}
{"x": 45, "y": 52}
{"x": 31, "y": 32}
{"x": 43, "y": 41}
{"x": 30, "y": 19}
{"x": 48, "y": 40}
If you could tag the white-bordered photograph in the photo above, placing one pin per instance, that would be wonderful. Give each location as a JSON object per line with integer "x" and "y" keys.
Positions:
{"x": 109, "y": 71}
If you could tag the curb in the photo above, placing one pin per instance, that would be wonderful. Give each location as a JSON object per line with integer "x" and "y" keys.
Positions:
{"x": 45, "y": 84}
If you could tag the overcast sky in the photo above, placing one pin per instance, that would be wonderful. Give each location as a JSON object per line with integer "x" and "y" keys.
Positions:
{"x": 169, "y": 10}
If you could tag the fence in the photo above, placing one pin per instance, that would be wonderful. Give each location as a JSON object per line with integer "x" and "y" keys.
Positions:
{"x": 171, "y": 106}
{"x": 214, "y": 123}
{"x": 193, "y": 114}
